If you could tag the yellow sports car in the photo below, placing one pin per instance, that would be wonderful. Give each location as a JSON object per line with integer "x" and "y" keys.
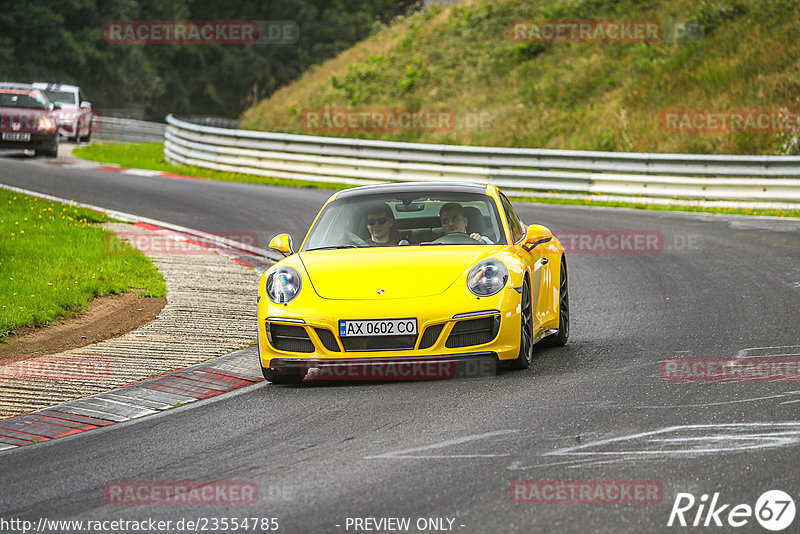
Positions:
{"x": 415, "y": 272}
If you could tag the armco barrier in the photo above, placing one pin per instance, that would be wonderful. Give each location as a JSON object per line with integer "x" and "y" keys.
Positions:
{"x": 756, "y": 180}
{"x": 106, "y": 128}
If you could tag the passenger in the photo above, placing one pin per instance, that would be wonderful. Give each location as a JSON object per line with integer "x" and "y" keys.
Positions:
{"x": 381, "y": 225}
{"x": 454, "y": 220}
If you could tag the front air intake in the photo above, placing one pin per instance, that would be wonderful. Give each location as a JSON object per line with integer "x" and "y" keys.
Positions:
{"x": 430, "y": 336}
{"x": 289, "y": 338}
{"x": 328, "y": 339}
{"x": 473, "y": 332}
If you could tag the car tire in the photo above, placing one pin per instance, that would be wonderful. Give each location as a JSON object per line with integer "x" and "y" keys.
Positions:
{"x": 559, "y": 339}
{"x": 287, "y": 376}
{"x": 523, "y": 360}
{"x": 88, "y": 137}
{"x": 77, "y": 137}
{"x": 51, "y": 152}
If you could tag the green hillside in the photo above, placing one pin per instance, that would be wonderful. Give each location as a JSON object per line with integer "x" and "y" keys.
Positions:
{"x": 569, "y": 95}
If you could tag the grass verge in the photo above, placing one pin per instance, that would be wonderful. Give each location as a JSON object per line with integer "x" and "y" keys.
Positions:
{"x": 150, "y": 156}
{"x": 712, "y": 55}
{"x": 53, "y": 260}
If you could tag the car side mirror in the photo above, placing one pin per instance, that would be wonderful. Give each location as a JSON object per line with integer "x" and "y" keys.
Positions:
{"x": 282, "y": 243}
{"x": 536, "y": 235}
{"x": 86, "y": 105}
{"x": 56, "y": 106}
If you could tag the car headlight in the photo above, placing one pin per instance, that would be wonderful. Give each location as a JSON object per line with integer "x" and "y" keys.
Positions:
{"x": 45, "y": 123}
{"x": 487, "y": 278}
{"x": 283, "y": 284}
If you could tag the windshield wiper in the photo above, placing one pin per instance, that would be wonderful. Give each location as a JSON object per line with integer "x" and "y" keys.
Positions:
{"x": 332, "y": 247}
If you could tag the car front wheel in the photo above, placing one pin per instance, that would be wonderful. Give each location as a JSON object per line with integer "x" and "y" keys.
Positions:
{"x": 51, "y": 151}
{"x": 559, "y": 339}
{"x": 523, "y": 361}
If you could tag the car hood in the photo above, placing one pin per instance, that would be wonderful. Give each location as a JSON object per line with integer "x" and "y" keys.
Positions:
{"x": 411, "y": 272}
{"x": 27, "y": 118}
{"x": 23, "y": 112}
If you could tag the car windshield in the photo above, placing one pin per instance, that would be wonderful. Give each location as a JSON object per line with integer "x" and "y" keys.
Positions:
{"x": 63, "y": 97}
{"x": 22, "y": 99}
{"x": 407, "y": 219}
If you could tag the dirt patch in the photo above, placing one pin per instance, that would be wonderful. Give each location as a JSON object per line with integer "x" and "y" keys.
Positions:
{"x": 104, "y": 318}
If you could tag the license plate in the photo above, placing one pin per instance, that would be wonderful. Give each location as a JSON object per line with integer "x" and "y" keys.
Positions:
{"x": 378, "y": 327}
{"x": 16, "y": 136}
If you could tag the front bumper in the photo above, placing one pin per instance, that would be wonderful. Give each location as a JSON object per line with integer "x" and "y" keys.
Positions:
{"x": 68, "y": 128}
{"x": 38, "y": 141}
{"x": 437, "y": 367}
{"x": 310, "y": 329}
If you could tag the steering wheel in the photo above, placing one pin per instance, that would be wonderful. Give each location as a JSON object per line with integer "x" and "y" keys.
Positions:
{"x": 355, "y": 239}
{"x": 456, "y": 238}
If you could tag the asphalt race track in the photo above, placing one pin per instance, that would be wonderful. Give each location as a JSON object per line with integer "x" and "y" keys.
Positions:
{"x": 595, "y": 410}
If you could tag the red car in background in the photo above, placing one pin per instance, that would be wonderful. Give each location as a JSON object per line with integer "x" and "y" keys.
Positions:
{"x": 75, "y": 115}
{"x": 27, "y": 120}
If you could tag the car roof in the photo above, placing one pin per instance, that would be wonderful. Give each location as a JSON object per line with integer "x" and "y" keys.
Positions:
{"x": 413, "y": 187}
{"x": 55, "y": 86}
{"x": 17, "y": 86}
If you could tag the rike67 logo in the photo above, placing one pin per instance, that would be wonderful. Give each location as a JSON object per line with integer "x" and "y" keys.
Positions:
{"x": 774, "y": 510}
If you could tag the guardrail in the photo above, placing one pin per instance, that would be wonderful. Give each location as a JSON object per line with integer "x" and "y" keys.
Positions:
{"x": 760, "y": 181}
{"x": 217, "y": 122}
{"x": 127, "y": 130}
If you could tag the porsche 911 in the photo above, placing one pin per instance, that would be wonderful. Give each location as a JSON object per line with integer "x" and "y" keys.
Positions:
{"x": 413, "y": 272}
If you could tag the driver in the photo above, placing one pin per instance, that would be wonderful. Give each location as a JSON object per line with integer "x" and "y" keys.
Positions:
{"x": 454, "y": 220}
{"x": 382, "y": 229}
